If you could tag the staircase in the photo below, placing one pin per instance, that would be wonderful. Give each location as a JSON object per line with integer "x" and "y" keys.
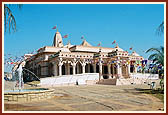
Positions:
{"x": 107, "y": 81}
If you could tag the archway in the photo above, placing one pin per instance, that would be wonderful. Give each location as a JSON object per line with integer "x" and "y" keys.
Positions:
{"x": 78, "y": 68}
{"x": 50, "y": 70}
{"x": 63, "y": 69}
{"x": 132, "y": 68}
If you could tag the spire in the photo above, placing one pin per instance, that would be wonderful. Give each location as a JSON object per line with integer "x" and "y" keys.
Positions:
{"x": 58, "y": 40}
{"x": 57, "y": 29}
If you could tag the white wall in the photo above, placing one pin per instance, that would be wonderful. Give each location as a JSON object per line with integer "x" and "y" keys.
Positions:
{"x": 144, "y": 76}
{"x": 69, "y": 79}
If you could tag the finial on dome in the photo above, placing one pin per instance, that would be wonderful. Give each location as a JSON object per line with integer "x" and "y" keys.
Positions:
{"x": 116, "y": 45}
{"x": 69, "y": 43}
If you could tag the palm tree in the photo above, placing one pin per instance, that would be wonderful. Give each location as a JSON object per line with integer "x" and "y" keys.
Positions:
{"x": 160, "y": 29}
{"x": 9, "y": 19}
{"x": 157, "y": 56}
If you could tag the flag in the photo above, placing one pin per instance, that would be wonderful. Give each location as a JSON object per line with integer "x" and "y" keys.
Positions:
{"x": 54, "y": 27}
{"x": 114, "y": 42}
{"x": 130, "y": 48}
{"x": 82, "y": 37}
{"x": 99, "y": 44}
{"x": 65, "y": 36}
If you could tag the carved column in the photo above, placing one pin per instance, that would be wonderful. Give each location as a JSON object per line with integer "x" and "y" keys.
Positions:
{"x": 74, "y": 66}
{"x": 113, "y": 70}
{"x": 119, "y": 73}
{"x": 100, "y": 69}
{"x": 83, "y": 67}
{"x": 60, "y": 66}
{"x": 68, "y": 69}
{"x": 135, "y": 69}
{"x": 129, "y": 69}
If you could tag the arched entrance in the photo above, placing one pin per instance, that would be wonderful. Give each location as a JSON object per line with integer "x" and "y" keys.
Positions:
{"x": 89, "y": 68}
{"x": 63, "y": 69}
{"x": 50, "y": 70}
{"x": 78, "y": 68}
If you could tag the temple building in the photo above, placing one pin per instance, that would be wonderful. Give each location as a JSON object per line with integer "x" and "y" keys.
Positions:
{"x": 59, "y": 60}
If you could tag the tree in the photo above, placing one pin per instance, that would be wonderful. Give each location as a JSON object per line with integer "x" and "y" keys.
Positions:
{"x": 9, "y": 18}
{"x": 157, "y": 56}
{"x": 160, "y": 29}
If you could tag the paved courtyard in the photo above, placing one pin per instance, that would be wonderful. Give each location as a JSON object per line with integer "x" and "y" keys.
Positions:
{"x": 93, "y": 98}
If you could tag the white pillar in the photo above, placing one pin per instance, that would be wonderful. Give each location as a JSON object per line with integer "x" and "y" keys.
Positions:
{"x": 83, "y": 67}
{"x": 128, "y": 69}
{"x": 118, "y": 70}
{"x": 74, "y": 66}
{"x": 60, "y": 69}
{"x": 109, "y": 70}
{"x": 135, "y": 69}
{"x": 60, "y": 66}
{"x": 68, "y": 69}
{"x": 113, "y": 70}
{"x": 100, "y": 69}
{"x": 46, "y": 57}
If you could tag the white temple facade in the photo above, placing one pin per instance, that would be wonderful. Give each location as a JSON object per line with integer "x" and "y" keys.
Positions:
{"x": 58, "y": 60}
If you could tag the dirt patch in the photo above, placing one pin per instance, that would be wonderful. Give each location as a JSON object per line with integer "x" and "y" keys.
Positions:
{"x": 15, "y": 107}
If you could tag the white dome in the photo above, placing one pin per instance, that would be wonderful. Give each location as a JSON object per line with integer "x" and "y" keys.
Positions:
{"x": 58, "y": 40}
{"x": 117, "y": 48}
{"x": 85, "y": 43}
{"x": 134, "y": 54}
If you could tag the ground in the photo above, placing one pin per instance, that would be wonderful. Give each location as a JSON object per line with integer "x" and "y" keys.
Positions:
{"x": 94, "y": 98}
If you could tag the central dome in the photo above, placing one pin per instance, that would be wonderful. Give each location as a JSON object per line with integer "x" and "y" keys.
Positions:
{"x": 58, "y": 40}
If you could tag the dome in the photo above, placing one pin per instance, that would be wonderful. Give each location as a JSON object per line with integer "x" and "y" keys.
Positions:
{"x": 68, "y": 45}
{"x": 134, "y": 54}
{"x": 58, "y": 40}
{"x": 85, "y": 43}
{"x": 118, "y": 48}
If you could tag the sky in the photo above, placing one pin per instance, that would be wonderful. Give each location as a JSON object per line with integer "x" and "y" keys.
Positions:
{"x": 131, "y": 25}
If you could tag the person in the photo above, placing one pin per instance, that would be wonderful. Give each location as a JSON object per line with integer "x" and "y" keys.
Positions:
{"x": 77, "y": 82}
